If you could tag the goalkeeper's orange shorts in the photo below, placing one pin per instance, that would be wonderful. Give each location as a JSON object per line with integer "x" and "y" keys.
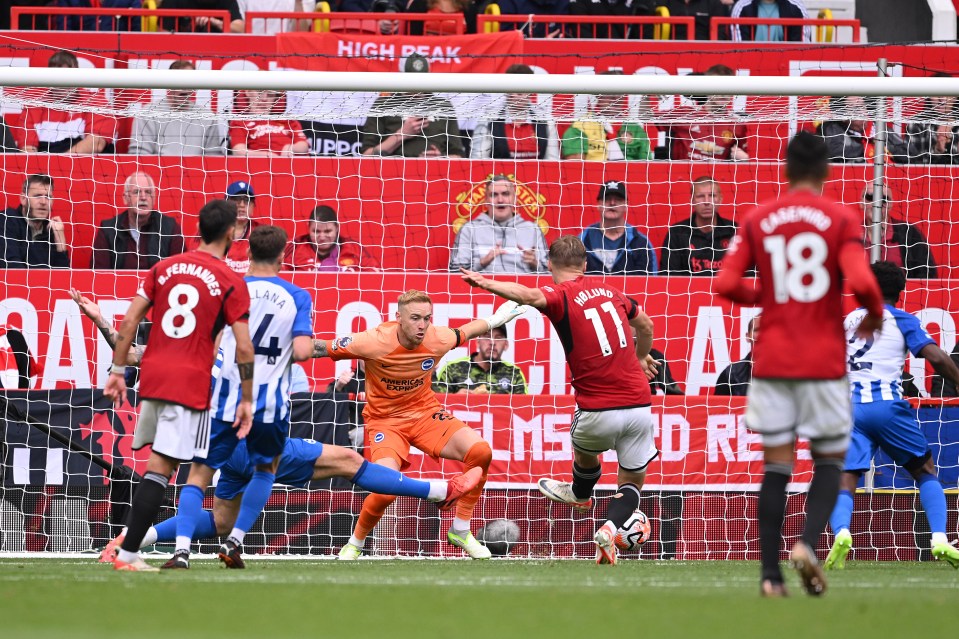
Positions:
{"x": 392, "y": 438}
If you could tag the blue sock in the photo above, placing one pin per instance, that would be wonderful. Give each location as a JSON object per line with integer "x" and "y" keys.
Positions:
{"x": 205, "y": 528}
{"x": 841, "y": 512}
{"x": 933, "y": 502}
{"x": 386, "y": 481}
{"x": 189, "y": 511}
{"x": 255, "y": 496}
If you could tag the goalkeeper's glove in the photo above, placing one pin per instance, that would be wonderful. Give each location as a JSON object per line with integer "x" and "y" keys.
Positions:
{"x": 505, "y": 314}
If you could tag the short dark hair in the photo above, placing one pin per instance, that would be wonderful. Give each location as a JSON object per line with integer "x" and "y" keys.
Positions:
{"x": 807, "y": 158}
{"x": 520, "y": 68}
{"x": 37, "y": 178}
{"x": 324, "y": 214}
{"x": 182, "y": 63}
{"x": 567, "y": 251}
{"x": 216, "y": 219}
{"x": 63, "y": 59}
{"x": 891, "y": 278}
{"x": 719, "y": 69}
{"x": 267, "y": 244}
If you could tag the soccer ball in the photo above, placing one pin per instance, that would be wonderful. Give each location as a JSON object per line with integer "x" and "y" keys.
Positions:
{"x": 499, "y": 535}
{"x": 634, "y": 532}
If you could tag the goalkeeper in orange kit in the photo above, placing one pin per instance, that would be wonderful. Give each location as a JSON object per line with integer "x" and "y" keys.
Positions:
{"x": 402, "y": 409}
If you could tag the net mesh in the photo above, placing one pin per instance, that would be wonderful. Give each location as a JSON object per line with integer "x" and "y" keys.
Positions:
{"x": 402, "y": 215}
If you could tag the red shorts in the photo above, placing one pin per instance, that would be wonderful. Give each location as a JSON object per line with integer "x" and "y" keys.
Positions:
{"x": 391, "y": 438}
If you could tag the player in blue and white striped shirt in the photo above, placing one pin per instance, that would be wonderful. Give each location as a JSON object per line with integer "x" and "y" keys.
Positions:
{"x": 884, "y": 420}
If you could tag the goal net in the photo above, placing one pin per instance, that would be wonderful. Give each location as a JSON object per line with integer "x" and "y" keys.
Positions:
{"x": 573, "y": 150}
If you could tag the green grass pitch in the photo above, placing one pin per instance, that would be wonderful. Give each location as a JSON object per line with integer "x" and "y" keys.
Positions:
{"x": 78, "y": 598}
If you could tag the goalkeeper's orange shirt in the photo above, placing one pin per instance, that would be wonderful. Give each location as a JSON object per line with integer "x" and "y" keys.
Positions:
{"x": 397, "y": 378}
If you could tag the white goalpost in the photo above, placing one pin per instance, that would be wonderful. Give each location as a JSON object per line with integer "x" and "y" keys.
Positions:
{"x": 403, "y": 215}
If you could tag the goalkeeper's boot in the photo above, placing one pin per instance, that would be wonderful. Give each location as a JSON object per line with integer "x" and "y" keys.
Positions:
{"x": 836, "y": 559}
{"x": 179, "y": 561}
{"x": 804, "y": 560}
{"x": 562, "y": 492}
{"x": 349, "y": 552}
{"x": 605, "y": 544}
{"x": 946, "y": 552}
{"x": 109, "y": 552}
{"x": 230, "y": 555}
{"x": 459, "y": 486}
{"x": 469, "y": 544}
{"x": 138, "y": 565}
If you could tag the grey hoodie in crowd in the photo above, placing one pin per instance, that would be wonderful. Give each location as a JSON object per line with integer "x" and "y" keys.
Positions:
{"x": 479, "y": 236}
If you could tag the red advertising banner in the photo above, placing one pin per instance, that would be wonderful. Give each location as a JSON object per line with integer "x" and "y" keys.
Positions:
{"x": 699, "y": 334}
{"x": 704, "y": 444}
{"x": 482, "y": 53}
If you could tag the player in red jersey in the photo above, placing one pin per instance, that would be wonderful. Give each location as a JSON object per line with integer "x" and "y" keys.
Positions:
{"x": 193, "y": 295}
{"x": 802, "y": 246}
{"x": 593, "y": 322}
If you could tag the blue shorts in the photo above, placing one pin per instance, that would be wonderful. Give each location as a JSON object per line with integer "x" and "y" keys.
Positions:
{"x": 890, "y": 426}
{"x": 295, "y": 469}
{"x": 263, "y": 443}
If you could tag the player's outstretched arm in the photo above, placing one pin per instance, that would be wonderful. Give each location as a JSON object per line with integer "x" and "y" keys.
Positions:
{"x": 302, "y": 348}
{"x": 116, "y": 387}
{"x": 90, "y": 308}
{"x": 320, "y": 349}
{"x": 862, "y": 282}
{"x": 503, "y": 315}
{"x": 941, "y": 362}
{"x": 508, "y": 290}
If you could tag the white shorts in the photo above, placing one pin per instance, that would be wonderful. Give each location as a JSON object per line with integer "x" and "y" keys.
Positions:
{"x": 818, "y": 410}
{"x": 175, "y": 431}
{"x": 628, "y": 431}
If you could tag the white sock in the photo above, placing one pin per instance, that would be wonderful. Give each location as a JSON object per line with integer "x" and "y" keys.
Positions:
{"x": 357, "y": 542}
{"x": 460, "y": 525}
{"x": 438, "y": 490}
{"x": 237, "y": 535}
{"x": 126, "y": 556}
{"x": 939, "y": 538}
{"x": 150, "y": 538}
{"x": 183, "y": 543}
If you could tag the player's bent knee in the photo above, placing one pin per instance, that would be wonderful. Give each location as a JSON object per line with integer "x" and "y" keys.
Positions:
{"x": 341, "y": 462}
{"x": 480, "y": 454}
{"x": 921, "y": 465}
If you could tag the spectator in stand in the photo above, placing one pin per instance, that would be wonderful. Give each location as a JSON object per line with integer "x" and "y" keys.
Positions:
{"x": 299, "y": 380}
{"x": 933, "y": 138}
{"x": 702, "y": 10}
{"x": 30, "y": 237}
{"x": 499, "y": 240}
{"x": 710, "y": 131}
{"x": 324, "y": 249}
{"x": 140, "y": 236}
{"x": 607, "y": 8}
{"x": 774, "y": 9}
{"x": 903, "y": 244}
{"x": 242, "y": 196}
{"x": 734, "y": 379}
{"x": 849, "y": 132}
{"x": 259, "y": 133}
{"x": 605, "y": 133}
{"x": 273, "y": 26}
{"x": 612, "y": 245}
{"x": 71, "y": 126}
{"x": 521, "y": 131}
{"x": 484, "y": 371}
{"x": 431, "y": 132}
{"x": 662, "y": 382}
{"x": 193, "y": 131}
{"x": 535, "y": 7}
{"x": 203, "y": 24}
{"x": 697, "y": 245}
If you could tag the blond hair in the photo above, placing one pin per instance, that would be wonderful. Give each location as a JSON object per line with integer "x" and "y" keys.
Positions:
{"x": 413, "y": 296}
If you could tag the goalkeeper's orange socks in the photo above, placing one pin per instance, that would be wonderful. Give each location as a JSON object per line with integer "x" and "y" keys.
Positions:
{"x": 373, "y": 508}
{"x": 480, "y": 455}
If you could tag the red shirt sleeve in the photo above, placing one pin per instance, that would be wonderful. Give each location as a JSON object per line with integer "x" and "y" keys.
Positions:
{"x": 147, "y": 288}
{"x": 236, "y": 307}
{"x": 555, "y": 303}
{"x": 237, "y": 133}
{"x": 855, "y": 266}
